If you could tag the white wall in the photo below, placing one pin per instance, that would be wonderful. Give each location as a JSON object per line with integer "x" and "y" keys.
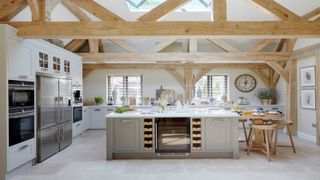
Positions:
{"x": 306, "y": 117}
{"x": 95, "y": 82}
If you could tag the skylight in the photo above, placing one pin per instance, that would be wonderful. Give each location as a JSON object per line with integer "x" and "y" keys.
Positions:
{"x": 192, "y": 6}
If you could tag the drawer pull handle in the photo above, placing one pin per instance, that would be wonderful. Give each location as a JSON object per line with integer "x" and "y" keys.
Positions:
{"x": 23, "y": 147}
{"x": 97, "y": 110}
{"x": 22, "y": 77}
{"x": 126, "y": 121}
{"x": 78, "y": 125}
{"x": 215, "y": 120}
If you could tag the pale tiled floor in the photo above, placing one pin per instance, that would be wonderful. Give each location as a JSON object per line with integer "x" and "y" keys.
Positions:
{"x": 85, "y": 160}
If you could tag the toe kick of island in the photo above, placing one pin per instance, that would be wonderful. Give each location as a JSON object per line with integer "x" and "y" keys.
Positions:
{"x": 183, "y": 137}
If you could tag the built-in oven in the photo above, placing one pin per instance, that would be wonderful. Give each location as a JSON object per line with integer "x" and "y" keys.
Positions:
{"x": 21, "y": 127}
{"x": 21, "y": 96}
{"x": 173, "y": 135}
{"x": 77, "y": 114}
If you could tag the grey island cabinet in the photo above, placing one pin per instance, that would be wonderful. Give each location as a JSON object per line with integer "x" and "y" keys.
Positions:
{"x": 210, "y": 134}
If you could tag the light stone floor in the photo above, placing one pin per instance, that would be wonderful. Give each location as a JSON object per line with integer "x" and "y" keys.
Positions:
{"x": 85, "y": 160}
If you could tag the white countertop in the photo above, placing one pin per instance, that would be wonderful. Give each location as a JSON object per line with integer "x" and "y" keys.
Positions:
{"x": 199, "y": 114}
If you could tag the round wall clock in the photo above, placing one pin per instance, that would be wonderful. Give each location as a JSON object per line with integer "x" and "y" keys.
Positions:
{"x": 245, "y": 83}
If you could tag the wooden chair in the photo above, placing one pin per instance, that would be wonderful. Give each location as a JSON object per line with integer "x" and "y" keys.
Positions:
{"x": 266, "y": 146}
{"x": 242, "y": 121}
{"x": 287, "y": 125}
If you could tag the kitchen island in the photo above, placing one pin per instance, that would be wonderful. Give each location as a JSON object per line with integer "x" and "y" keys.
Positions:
{"x": 192, "y": 134}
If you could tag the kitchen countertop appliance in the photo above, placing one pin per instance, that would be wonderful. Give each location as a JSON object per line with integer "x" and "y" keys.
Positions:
{"x": 54, "y": 115}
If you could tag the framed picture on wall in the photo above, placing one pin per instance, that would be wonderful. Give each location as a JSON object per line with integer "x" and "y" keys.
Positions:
{"x": 307, "y": 76}
{"x": 308, "y": 98}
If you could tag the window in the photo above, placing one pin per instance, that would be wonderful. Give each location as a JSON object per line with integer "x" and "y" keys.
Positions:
{"x": 147, "y": 5}
{"x": 212, "y": 86}
{"x": 124, "y": 86}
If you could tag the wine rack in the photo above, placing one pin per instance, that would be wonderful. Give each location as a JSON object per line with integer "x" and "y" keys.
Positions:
{"x": 148, "y": 134}
{"x": 196, "y": 134}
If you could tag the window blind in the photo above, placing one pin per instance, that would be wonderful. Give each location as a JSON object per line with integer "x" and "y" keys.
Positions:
{"x": 212, "y": 86}
{"x": 125, "y": 86}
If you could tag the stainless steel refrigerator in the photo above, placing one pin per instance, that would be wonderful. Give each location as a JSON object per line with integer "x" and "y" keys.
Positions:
{"x": 54, "y": 115}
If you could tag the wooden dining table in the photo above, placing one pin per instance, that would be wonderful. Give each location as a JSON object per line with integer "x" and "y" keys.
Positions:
{"x": 259, "y": 120}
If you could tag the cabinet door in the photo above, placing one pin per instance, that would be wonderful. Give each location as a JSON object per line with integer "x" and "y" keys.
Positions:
{"x": 98, "y": 120}
{"x": 126, "y": 135}
{"x": 86, "y": 119}
{"x": 20, "y": 61}
{"x": 217, "y": 134}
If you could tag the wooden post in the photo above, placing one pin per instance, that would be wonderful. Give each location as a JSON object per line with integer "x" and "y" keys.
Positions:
{"x": 188, "y": 83}
{"x": 318, "y": 98}
{"x": 291, "y": 95}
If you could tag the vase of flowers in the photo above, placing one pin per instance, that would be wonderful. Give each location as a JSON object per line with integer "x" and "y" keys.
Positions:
{"x": 266, "y": 95}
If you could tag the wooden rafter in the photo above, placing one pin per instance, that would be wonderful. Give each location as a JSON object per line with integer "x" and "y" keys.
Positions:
{"x": 202, "y": 72}
{"x": 311, "y": 14}
{"x": 122, "y": 44}
{"x": 101, "y": 48}
{"x": 97, "y": 10}
{"x": 94, "y": 45}
{"x": 76, "y": 44}
{"x": 280, "y": 70}
{"x": 220, "y": 10}
{"x": 188, "y": 77}
{"x": 263, "y": 78}
{"x": 115, "y": 30}
{"x": 193, "y": 45}
{"x": 281, "y": 45}
{"x": 162, "y": 45}
{"x": 277, "y": 9}
{"x": 175, "y": 66}
{"x": 35, "y": 9}
{"x": 74, "y": 9}
{"x": 185, "y": 57}
{"x": 11, "y": 8}
{"x": 223, "y": 45}
{"x": 260, "y": 45}
{"x": 177, "y": 76}
{"x": 162, "y": 10}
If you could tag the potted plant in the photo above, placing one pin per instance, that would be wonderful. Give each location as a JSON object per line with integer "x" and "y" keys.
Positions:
{"x": 266, "y": 95}
{"x": 98, "y": 100}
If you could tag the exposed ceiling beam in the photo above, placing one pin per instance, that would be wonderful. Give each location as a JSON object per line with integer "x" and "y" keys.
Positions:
{"x": 76, "y": 44}
{"x": 101, "y": 48}
{"x": 125, "y": 46}
{"x": 263, "y": 77}
{"x": 223, "y": 45}
{"x": 260, "y": 45}
{"x": 74, "y": 9}
{"x": 94, "y": 45}
{"x": 185, "y": 57}
{"x": 277, "y": 9}
{"x": 220, "y": 10}
{"x": 311, "y": 14}
{"x": 281, "y": 45}
{"x": 162, "y": 10}
{"x": 116, "y": 30}
{"x": 202, "y": 72}
{"x": 280, "y": 70}
{"x": 11, "y": 8}
{"x": 35, "y": 9}
{"x": 97, "y": 10}
{"x": 177, "y": 76}
{"x": 193, "y": 45}
{"x": 162, "y": 66}
{"x": 162, "y": 45}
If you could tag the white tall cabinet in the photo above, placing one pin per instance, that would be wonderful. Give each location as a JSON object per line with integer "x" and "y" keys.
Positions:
{"x": 21, "y": 59}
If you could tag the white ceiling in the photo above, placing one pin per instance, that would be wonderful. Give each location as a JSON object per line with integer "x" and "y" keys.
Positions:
{"x": 237, "y": 10}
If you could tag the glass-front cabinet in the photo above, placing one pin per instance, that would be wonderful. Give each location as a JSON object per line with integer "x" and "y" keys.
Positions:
{"x": 56, "y": 64}
{"x": 67, "y": 67}
{"x": 43, "y": 61}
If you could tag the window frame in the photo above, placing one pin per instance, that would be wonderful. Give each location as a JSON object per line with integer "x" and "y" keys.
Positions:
{"x": 125, "y": 84}
{"x": 210, "y": 86}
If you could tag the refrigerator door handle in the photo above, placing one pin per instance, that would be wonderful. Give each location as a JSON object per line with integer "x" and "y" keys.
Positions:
{"x": 62, "y": 133}
{"x": 58, "y": 136}
{"x": 57, "y": 110}
{"x": 61, "y": 109}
